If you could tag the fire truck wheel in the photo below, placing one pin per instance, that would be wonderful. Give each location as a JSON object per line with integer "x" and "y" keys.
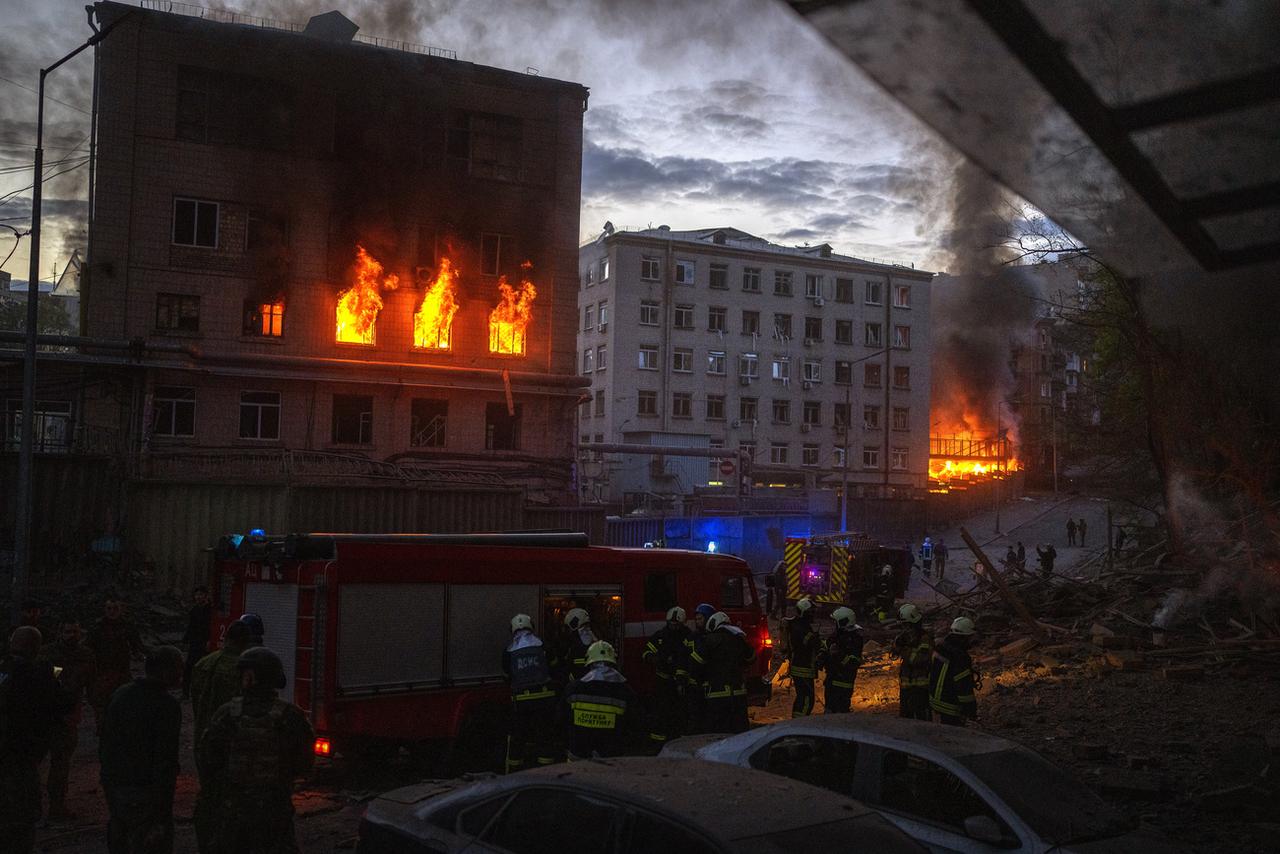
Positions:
{"x": 481, "y": 744}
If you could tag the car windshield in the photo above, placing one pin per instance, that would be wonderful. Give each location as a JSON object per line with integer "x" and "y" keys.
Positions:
{"x": 1053, "y": 804}
{"x": 834, "y": 837}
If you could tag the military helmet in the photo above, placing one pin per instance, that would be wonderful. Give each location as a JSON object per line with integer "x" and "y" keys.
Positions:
{"x": 601, "y": 651}
{"x": 265, "y": 664}
{"x": 910, "y": 613}
{"x": 845, "y": 618}
{"x": 577, "y": 618}
{"x": 675, "y": 614}
{"x": 254, "y": 622}
{"x": 521, "y": 621}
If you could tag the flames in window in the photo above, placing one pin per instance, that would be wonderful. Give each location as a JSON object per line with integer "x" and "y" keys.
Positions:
{"x": 359, "y": 305}
{"x": 433, "y": 322}
{"x": 509, "y": 320}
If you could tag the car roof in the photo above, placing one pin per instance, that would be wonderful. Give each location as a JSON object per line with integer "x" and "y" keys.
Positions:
{"x": 724, "y": 800}
{"x": 948, "y": 740}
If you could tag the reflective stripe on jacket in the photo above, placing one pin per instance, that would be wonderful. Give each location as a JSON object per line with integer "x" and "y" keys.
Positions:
{"x": 951, "y": 682}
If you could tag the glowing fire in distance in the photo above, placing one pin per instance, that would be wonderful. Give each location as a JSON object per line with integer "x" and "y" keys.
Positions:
{"x": 433, "y": 322}
{"x": 359, "y": 305}
{"x": 509, "y": 320}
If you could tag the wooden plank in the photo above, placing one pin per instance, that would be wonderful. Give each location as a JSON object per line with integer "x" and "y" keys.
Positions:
{"x": 1009, "y": 596}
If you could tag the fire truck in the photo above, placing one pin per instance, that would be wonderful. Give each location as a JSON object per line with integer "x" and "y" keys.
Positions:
{"x": 397, "y": 639}
{"x": 840, "y": 569}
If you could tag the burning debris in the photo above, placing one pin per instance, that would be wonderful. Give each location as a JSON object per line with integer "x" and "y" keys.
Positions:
{"x": 433, "y": 322}
{"x": 359, "y": 305}
{"x": 509, "y": 320}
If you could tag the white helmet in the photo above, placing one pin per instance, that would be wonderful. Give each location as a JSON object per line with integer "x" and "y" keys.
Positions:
{"x": 716, "y": 620}
{"x": 963, "y": 626}
{"x": 577, "y": 618}
{"x": 886, "y": 570}
{"x": 675, "y": 614}
{"x": 803, "y": 606}
{"x": 910, "y": 613}
{"x": 845, "y": 618}
{"x": 601, "y": 651}
{"x": 521, "y": 621}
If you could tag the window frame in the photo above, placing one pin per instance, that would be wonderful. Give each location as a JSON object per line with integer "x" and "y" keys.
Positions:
{"x": 778, "y": 453}
{"x": 261, "y": 406}
{"x": 755, "y": 317}
{"x": 645, "y": 395}
{"x": 364, "y": 424}
{"x": 686, "y": 267}
{"x": 717, "y": 358}
{"x": 783, "y": 283}
{"x": 876, "y": 340}
{"x": 712, "y": 401}
{"x": 173, "y": 400}
{"x": 751, "y": 280}
{"x": 682, "y": 360}
{"x": 878, "y": 298}
{"x": 642, "y": 354}
{"x": 195, "y": 223}
{"x": 177, "y": 305}
{"x": 683, "y": 316}
{"x": 653, "y": 308}
{"x": 681, "y": 404}
{"x": 650, "y": 268}
{"x": 720, "y": 313}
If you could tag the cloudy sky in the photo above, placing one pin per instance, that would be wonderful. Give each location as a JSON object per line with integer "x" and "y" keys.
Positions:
{"x": 726, "y": 113}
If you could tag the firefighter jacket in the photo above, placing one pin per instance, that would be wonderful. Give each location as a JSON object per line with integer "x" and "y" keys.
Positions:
{"x": 138, "y": 751}
{"x": 951, "y": 681}
{"x": 668, "y": 651}
{"x": 573, "y": 658}
{"x": 805, "y": 645}
{"x": 215, "y": 680}
{"x": 915, "y": 648}
{"x": 253, "y": 750}
{"x": 719, "y": 663}
{"x": 843, "y": 657}
{"x": 527, "y": 666}
{"x": 600, "y": 712}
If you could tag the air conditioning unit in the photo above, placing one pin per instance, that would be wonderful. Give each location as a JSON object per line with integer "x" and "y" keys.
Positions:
{"x": 808, "y": 342}
{"x": 819, "y": 302}
{"x": 804, "y": 428}
{"x": 807, "y": 385}
{"x": 744, "y": 380}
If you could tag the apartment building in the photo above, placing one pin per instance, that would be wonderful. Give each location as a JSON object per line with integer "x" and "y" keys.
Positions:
{"x": 809, "y": 364}
{"x": 320, "y": 242}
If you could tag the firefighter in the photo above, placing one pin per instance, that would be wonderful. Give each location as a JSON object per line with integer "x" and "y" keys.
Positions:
{"x": 952, "y": 680}
{"x": 926, "y": 556}
{"x": 694, "y": 696}
{"x": 884, "y": 593}
{"x": 600, "y": 710}
{"x": 804, "y": 645}
{"x": 31, "y": 706}
{"x": 668, "y": 652}
{"x": 719, "y": 666}
{"x": 138, "y": 757}
{"x": 114, "y": 641}
{"x": 255, "y": 747}
{"x": 914, "y": 646}
{"x": 533, "y": 699}
{"x": 701, "y": 614}
{"x": 580, "y": 637}
{"x": 74, "y": 663}
{"x": 842, "y": 656}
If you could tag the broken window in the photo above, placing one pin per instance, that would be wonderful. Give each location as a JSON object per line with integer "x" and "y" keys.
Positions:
{"x": 177, "y": 313}
{"x": 352, "y": 419}
{"x": 428, "y": 418}
{"x": 501, "y": 427}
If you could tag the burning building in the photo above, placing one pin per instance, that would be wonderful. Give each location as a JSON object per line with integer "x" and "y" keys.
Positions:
{"x": 328, "y": 256}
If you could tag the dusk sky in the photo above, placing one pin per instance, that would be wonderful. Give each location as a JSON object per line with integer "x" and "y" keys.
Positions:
{"x": 730, "y": 113}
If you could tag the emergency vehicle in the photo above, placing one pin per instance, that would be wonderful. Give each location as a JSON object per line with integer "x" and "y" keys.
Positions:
{"x": 840, "y": 569}
{"x": 398, "y": 638}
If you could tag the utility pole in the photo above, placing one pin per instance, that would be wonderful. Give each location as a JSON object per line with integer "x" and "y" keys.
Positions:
{"x": 996, "y": 480}
{"x": 844, "y": 475}
{"x": 24, "y": 504}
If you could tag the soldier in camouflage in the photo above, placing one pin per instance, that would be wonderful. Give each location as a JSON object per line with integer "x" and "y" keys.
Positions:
{"x": 214, "y": 682}
{"x": 255, "y": 747}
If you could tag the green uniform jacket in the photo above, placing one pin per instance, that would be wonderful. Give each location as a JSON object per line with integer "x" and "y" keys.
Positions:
{"x": 260, "y": 769}
{"x": 214, "y": 682}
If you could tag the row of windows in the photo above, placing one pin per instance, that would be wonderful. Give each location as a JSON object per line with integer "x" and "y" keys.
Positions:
{"x": 174, "y": 416}
{"x": 810, "y": 455}
{"x": 682, "y": 361}
{"x": 783, "y": 327}
{"x": 685, "y": 272}
{"x": 593, "y": 314}
{"x": 181, "y": 313}
{"x": 714, "y": 409}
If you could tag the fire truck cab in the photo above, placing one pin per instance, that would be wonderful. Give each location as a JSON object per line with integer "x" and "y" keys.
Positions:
{"x": 398, "y": 638}
{"x": 840, "y": 569}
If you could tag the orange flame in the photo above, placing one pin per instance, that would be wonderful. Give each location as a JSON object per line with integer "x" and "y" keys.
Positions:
{"x": 433, "y": 322}
{"x": 509, "y": 320}
{"x": 945, "y": 470}
{"x": 359, "y": 305}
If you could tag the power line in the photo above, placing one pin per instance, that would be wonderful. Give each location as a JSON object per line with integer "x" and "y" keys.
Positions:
{"x": 47, "y": 97}
{"x": 5, "y": 199}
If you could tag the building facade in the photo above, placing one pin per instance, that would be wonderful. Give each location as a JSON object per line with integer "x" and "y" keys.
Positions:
{"x": 320, "y": 243}
{"x": 796, "y": 360}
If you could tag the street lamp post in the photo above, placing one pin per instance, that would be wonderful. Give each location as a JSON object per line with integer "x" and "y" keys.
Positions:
{"x": 848, "y": 424}
{"x": 23, "y": 510}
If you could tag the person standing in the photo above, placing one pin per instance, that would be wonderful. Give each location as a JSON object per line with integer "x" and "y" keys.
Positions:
{"x": 1022, "y": 557}
{"x": 694, "y": 696}
{"x": 668, "y": 652}
{"x": 115, "y": 643}
{"x": 1010, "y": 560}
{"x": 196, "y": 637}
{"x": 804, "y": 644}
{"x": 885, "y": 593}
{"x": 216, "y": 680}
{"x": 952, "y": 681}
{"x": 1071, "y": 532}
{"x": 600, "y": 711}
{"x": 719, "y": 665}
{"x": 75, "y": 665}
{"x": 256, "y": 746}
{"x": 31, "y": 707}
{"x": 533, "y": 699}
{"x": 1047, "y": 555}
{"x": 843, "y": 657}
{"x": 926, "y": 556}
{"x": 914, "y": 646}
{"x": 1081, "y": 528}
{"x": 578, "y": 640}
{"x": 257, "y": 629}
{"x": 139, "y": 757}
{"x": 940, "y": 557}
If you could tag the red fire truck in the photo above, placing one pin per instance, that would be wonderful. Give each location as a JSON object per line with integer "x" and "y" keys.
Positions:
{"x": 397, "y": 638}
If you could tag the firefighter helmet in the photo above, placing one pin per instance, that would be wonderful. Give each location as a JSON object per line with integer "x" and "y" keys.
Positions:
{"x": 886, "y": 570}
{"x": 601, "y": 651}
{"x": 910, "y": 613}
{"x": 577, "y": 618}
{"x": 963, "y": 626}
{"x": 705, "y": 609}
{"x": 521, "y": 621}
{"x": 675, "y": 615}
{"x": 845, "y": 618}
{"x": 716, "y": 620}
{"x": 265, "y": 664}
{"x": 803, "y": 605}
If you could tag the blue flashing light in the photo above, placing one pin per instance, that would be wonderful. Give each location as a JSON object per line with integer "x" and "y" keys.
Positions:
{"x": 711, "y": 546}
{"x": 257, "y": 532}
